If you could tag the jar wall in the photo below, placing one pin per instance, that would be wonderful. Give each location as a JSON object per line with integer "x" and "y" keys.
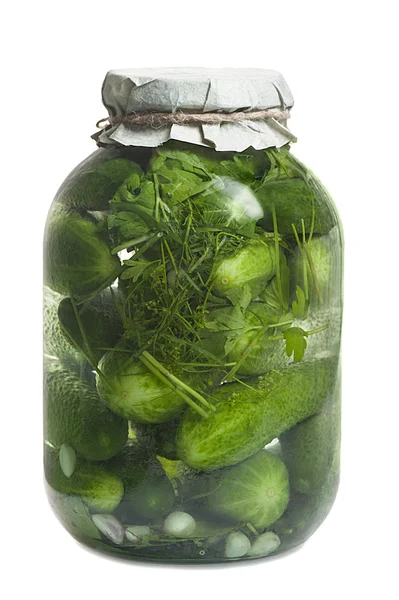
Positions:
{"x": 192, "y": 325}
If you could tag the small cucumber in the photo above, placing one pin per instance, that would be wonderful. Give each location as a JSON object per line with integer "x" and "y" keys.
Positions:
{"x": 255, "y": 491}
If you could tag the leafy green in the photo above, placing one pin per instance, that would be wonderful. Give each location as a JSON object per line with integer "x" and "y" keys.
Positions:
{"x": 240, "y": 297}
{"x": 136, "y": 270}
{"x": 191, "y": 161}
{"x": 299, "y": 308}
{"x": 186, "y": 219}
{"x": 295, "y": 342}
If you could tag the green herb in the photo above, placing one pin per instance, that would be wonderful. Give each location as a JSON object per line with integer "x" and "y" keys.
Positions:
{"x": 299, "y": 309}
{"x": 295, "y": 342}
{"x": 218, "y": 257}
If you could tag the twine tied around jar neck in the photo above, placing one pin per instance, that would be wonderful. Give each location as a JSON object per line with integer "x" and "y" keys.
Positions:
{"x": 160, "y": 119}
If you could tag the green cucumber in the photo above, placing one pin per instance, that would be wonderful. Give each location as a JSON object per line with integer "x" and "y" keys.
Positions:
{"x": 253, "y": 265}
{"x": 93, "y": 183}
{"x": 131, "y": 390}
{"x": 246, "y": 419}
{"x": 56, "y": 343}
{"x": 77, "y": 259}
{"x": 75, "y": 415}
{"x": 100, "y": 490}
{"x": 256, "y": 491}
{"x": 308, "y": 450}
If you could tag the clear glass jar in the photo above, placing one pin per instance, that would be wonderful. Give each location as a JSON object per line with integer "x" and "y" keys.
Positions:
{"x": 193, "y": 309}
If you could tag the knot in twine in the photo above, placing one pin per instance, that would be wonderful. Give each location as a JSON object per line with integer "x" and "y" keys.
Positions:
{"x": 160, "y": 119}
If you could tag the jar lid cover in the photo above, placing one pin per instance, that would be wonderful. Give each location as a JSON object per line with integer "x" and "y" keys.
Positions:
{"x": 196, "y": 90}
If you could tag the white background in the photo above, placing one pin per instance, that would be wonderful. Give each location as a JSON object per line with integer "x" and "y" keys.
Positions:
{"x": 340, "y": 60}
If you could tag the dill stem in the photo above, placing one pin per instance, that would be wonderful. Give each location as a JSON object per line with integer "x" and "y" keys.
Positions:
{"x": 195, "y": 286}
{"x": 314, "y": 276}
{"x": 185, "y": 243}
{"x": 277, "y": 252}
{"x": 170, "y": 385}
{"x": 81, "y": 328}
{"x": 176, "y": 381}
{"x": 132, "y": 242}
{"x": 302, "y": 254}
{"x": 172, "y": 258}
{"x": 296, "y": 237}
{"x": 199, "y": 261}
{"x": 147, "y": 245}
{"x": 87, "y": 353}
{"x": 317, "y": 330}
{"x": 252, "y": 528}
{"x": 313, "y": 218}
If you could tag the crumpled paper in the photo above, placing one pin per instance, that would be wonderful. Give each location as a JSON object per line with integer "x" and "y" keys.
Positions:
{"x": 126, "y": 91}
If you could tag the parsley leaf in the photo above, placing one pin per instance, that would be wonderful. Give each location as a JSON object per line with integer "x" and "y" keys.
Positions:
{"x": 240, "y": 297}
{"x": 295, "y": 342}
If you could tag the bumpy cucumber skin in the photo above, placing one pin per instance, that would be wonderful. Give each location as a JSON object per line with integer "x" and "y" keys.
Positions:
{"x": 132, "y": 465}
{"x": 246, "y": 420}
{"x": 92, "y": 184}
{"x": 253, "y": 265}
{"x": 308, "y": 450}
{"x": 77, "y": 258}
{"x": 101, "y": 491}
{"x": 255, "y": 491}
{"x": 159, "y": 438}
{"x": 75, "y": 415}
{"x": 55, "y": 341}
{"x": 132, "y": 391}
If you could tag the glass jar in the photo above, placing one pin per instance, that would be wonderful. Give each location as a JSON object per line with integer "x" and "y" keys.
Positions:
{"x": 193, "y": 309}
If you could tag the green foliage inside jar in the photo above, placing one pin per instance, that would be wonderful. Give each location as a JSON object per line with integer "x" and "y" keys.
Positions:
{"x": 194, "y": 308}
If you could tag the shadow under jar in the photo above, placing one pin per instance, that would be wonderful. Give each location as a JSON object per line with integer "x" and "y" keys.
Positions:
{"x": 192, "y": 324}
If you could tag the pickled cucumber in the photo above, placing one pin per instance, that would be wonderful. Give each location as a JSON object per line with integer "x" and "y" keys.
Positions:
{"x": 297, "y": 196}
{"x": 308, "y": 450}
{"x": 92, "y": 184}
{"x": 188, "y": 399}
{"x": 56, "y": 343}
{"x": 152, "y": 498}
{"x": 247, "y": 419}
{"x": 77, "y": 258}
{"x": 252, "y": 265}
{"x": 75, "y": 415}
{"x": 148, "y": 492}
{"x": 306, "y": 512}
{"x": 101, "y": 491}
{"x": 255, "y": 491}
{"x": 131, "y": 390}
